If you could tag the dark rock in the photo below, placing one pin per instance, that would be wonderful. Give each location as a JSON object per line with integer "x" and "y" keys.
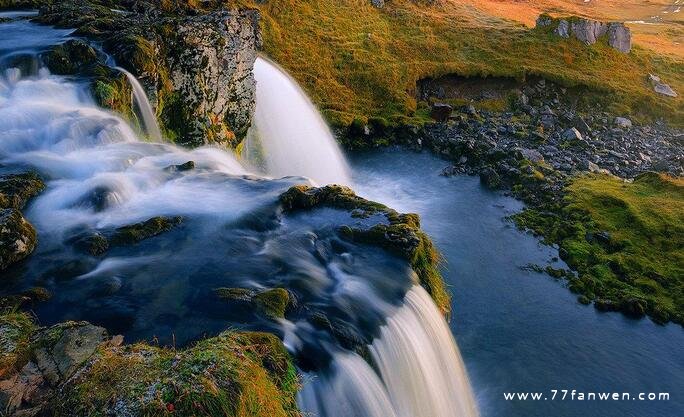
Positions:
{"x": 187, "y": 166}
{"x": 93, "y": 243}
{"x": 17, "y": 189}
{"x": 490, "y": 178}
{"x": 441, "y": 112}
{"x": 17, "y": 237}
{"x": 149, "y": 228}
{"x": 273, "y": 303}
{"x": 72, "y": 57}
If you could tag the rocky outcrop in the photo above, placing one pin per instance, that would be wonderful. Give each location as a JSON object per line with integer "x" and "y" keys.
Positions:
{"x": 77, "y": 369}
{"x": 194, "y": 63}
{"x": 400, "y": 234}
{"x": 588, "y": 31}
{"x": 17, "y": 237}
{"x": 17, "y": 189}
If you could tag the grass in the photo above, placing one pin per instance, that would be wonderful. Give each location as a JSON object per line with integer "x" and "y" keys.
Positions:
{"x": 233, "y": 374}
{"x": 624, "y": 239}
{"x": 357, "y": 61}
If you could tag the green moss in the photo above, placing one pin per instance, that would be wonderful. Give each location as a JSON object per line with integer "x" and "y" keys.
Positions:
{"x": 16, "y": 328}
{"x": 152, "y": 227}
{"x": 233, "y": 374}
{"x": 272, "y": 302}
{"x": 624, "y": 239}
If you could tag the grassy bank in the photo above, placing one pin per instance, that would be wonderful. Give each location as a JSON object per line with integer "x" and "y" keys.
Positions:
{"x": 359, "y": 61}
{"x": 624, "y": 239}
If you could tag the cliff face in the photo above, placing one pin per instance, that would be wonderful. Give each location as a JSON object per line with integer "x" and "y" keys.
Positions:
{"x": 195, "y": 65}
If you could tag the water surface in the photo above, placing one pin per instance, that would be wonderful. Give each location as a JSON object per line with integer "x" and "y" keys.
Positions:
{"x": 519, "y": 330}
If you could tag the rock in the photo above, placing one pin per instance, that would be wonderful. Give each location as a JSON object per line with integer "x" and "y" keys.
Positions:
{"x": 441, "y": 112}
{"x": 660, "y": 87}
{"x": 71, "y": 57}
{"x": 17, "y": 189}
{"x": 544, "y": 20}
{"x": 592, "y": 167}
{"x": 17, "y": 237}
{"x": 64, "y": 347}
{"x": 623, "y": 122}
{"x": 272, "y": 302}
{"x": 490, "y": 178}
{"x": 195, "y": 64}
{"x": 572, "y": 134}
{"x": 187, "y": 166}
{"x": 135, "y": 233}
{"x": 587, "y": 30}
{"x": 619, "y": 37}
{"x": 563, "y": 29}
{"x": 378, "y": 3}
{"x": 93, "y": 243}
{"x": 532, "y": 155}
{"x": 665, "y": 90}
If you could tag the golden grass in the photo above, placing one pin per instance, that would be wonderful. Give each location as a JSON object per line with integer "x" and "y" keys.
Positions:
{"x": 359, "y": 61}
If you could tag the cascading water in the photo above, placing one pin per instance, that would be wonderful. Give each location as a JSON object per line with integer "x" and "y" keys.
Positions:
{"x": 100, "y": 176}
{"x": 146, "y": 111}
{"x": 289, "y": 134}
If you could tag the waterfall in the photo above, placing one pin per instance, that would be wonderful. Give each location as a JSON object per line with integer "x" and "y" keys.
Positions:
{"x": 100, "y": 176}
{"x": 149, "y": 119}
{"x": 420, "y": 368}
{"x": 292, "y": 136}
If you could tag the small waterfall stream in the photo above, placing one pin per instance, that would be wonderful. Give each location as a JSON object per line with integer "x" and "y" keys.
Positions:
{"x": 143, "y": 103}
{"x": 289, "y": 136}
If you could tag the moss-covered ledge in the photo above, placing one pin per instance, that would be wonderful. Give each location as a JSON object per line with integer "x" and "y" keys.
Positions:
{"x": 76, "y": 369}
{"x": 401, "y": 234}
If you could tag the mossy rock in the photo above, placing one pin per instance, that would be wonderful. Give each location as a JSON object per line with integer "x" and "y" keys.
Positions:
{"x": 15, "y": 332}
{"x": 401, "y": 235}
{"x": 233, "y": 374}
{"x": 17, "y": 237}
{"x": 273, "y": 303}
{"x": 72, "y": 57}
{"x": 17, "y": 189}
{"x": 135, "y": 233}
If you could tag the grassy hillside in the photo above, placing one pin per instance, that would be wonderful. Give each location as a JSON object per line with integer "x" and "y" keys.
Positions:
{"x": 637, "y": 269}
{"x": 356, "y": 60}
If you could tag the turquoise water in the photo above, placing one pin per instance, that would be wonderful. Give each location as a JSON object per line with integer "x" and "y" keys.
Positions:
{"x": 519, "y": 330}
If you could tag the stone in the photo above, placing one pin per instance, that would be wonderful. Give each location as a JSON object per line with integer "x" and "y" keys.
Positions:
{"x": 71, "y": 57}
{"x": 544, "y": 20}
{"x": 587, "y": 30}
{"x": 65, "y": 347}
{"x": 619, "y": 37}
{"x": 137, "y": 232}
{"x": 17, "y": 189}
{"x": 441, "y": 112}
{"x": 17, "y": 237}
{"x": 187, "y": 166}
{"x": 379, "y": 4}
{"x": 572, "y": 134}
{"x": 660, "y": 87}
{"x": 563, "y": 29}
{"x": 623, "y": 122}
{"x": 490, "y": 178}
{"x": 532, "y": 155}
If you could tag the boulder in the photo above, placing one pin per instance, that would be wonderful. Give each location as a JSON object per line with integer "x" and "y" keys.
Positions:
{"x": 563, "y": 29}
{"x": 17, "y": 189}
{"x": 490, "y": 178}
{"x": 272, "y": 302}
{"x": 379, "y": 4}
{"x": 620, "y": 37}
{"x": 137, "y": 232}
{"x": 17, "y": 237}
{"x": 660, "y": 87}
{"x": 572, "y": 134}
{"x": 587, "y": 30}
{"x": 71, "y": 57}
{"x": 623, "y": 122}
{"x": 441, "y": 112}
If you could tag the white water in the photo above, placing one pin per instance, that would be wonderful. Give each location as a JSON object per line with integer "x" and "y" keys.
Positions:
{"x": 420, "y": 368}
{"x": 292, "y": 136}
{"x": 54, "y": 126}
{"x": 146, "y": 111}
